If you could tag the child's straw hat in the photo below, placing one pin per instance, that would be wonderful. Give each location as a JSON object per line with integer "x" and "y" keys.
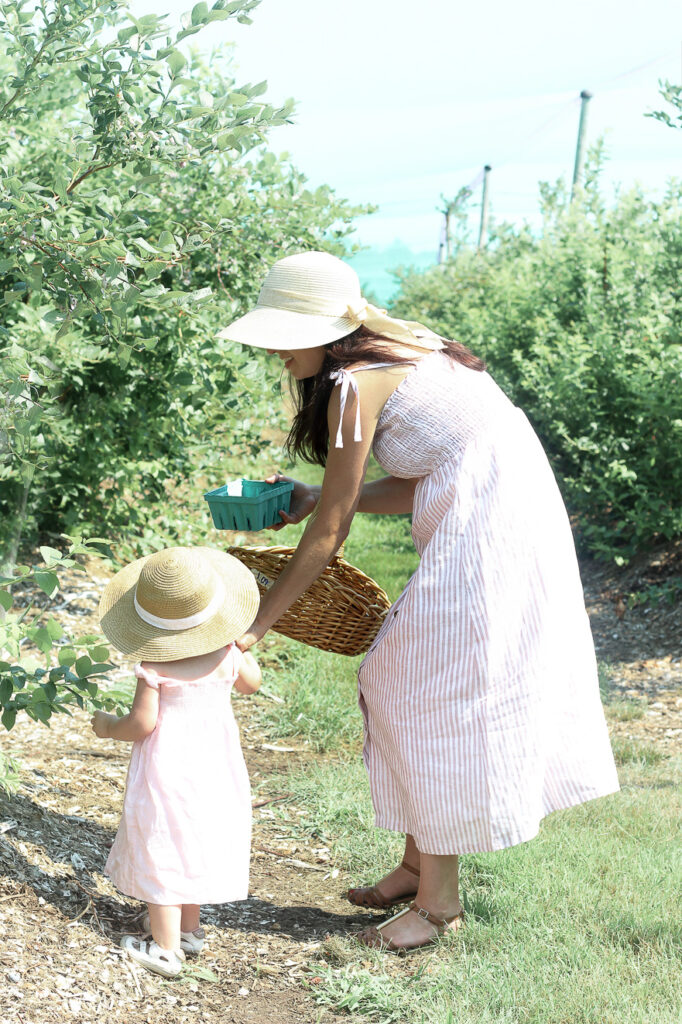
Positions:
{"x": 178, "y": 603}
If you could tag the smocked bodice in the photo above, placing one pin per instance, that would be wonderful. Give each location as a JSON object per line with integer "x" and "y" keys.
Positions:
{"x": 434, "y": 413}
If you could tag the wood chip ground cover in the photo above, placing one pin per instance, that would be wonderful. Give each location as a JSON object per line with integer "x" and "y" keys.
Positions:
{"x": 60, "y": 918}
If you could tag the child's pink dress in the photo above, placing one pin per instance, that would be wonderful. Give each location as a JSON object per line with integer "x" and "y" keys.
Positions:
{"x": 185, "y": 832}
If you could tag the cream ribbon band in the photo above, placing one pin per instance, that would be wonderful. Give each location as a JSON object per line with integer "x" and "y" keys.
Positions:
{"x": 214, "y": 606}
{"x": 407, "y": 332}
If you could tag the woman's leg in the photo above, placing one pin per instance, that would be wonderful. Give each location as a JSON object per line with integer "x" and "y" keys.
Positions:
{"x": 396, "y": 883}
{"x": 165, "y": 925}
{"x": 438, "y": 893}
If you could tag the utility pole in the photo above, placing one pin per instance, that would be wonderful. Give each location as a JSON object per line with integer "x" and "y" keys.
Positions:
{"x": 585, "y": 98}
{"x": 452, "y": 208}
{"x": 483, "y": 230}
{"x": 448, "y": 211}
{"x": 444, "y": 245}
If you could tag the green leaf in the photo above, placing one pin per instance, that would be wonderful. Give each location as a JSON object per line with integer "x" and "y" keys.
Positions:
{"x": 166, "y": 241}
{"x": 43, "y": 712}
{"x": 54, "y": 629}
{"x": 6, "y": 690}
{"x": 5, "y": 600}
{"x": 47, "y": 581}
{"x": 66, "y": 656}
{"x": 226, "y": 140}
{"x": 144, "y": 244}
{"x": 100, "y": 653}
{"x": 49, "y": 555}
{"x": 199, "y": 13}
{"x": 83, "y": 666}
{"x": 127, "y": 33}
{"x": 9, "y": 716}
{"x": 176, "y": 61}
{"x": 42, "y": 639}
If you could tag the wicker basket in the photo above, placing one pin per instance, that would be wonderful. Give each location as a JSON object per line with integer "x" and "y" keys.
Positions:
{"x": 340, "y": 612}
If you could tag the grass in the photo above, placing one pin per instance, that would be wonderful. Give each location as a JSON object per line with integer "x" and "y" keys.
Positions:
{"x": 10, "y": 774}
{"x": 579, "y": 926}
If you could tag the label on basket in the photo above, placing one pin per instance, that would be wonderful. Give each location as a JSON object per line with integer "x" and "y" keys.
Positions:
{"x": 262, "y": 580}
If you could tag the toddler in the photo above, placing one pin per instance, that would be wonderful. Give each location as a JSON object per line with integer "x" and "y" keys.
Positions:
{"x": 185, "y": 832}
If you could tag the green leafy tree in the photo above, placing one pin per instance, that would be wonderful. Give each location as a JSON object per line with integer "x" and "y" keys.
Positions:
{"x": 43, "y": 670}
{"x": 581, "y": 326}
{"x": 138, "y": 210}
{"x": 672, "y": 94}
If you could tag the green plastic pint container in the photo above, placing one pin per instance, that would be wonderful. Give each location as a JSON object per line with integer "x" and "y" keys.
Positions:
{"x": 256, "y": 508}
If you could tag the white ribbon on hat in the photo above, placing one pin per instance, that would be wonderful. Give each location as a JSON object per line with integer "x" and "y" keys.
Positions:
{"x": 407, "y": 332}
{"x": 346, "y": 379}
{"x": 214, "y": 606}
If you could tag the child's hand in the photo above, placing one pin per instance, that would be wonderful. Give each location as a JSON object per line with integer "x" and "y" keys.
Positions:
{"x": 249, "y": 678}
{"x": 100, "y": 722}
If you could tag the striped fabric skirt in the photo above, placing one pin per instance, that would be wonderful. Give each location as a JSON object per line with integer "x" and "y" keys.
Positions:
{"x": 480, "y": 694}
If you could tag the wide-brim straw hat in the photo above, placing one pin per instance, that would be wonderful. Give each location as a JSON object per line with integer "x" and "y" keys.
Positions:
{"x": 178, "y": 603}
{"x": 307, "y": 300}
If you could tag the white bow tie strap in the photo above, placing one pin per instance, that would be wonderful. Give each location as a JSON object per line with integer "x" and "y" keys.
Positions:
{"x": 346, "y": 379}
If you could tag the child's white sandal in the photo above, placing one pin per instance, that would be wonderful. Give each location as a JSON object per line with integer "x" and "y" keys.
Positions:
{"x": 190, "y": 942}
{"x": 167, "y": 962}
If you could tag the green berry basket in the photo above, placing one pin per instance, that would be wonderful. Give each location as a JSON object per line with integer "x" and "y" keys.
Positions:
{"x": 256, "y": 508}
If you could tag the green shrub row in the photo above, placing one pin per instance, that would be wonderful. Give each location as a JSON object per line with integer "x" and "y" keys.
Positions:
{"x": 580, "y": 325}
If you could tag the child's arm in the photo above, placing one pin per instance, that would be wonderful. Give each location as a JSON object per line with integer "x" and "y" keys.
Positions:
{"x": 249, "y": 678}
{"x": 138, "y": 723}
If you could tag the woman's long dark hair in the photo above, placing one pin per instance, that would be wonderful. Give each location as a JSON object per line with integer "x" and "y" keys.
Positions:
{"x": 309, "y": 435}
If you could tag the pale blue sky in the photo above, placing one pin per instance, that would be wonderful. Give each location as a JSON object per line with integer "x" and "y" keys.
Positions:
{"x": 400, "y": 101}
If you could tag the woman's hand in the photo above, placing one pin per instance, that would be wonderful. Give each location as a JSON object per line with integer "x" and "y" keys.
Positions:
{"x": 304, "y": 498}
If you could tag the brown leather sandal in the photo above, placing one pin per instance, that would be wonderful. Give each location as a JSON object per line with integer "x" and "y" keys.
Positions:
{"x": 371, "y": 896}
{"x": 373, "y": 938}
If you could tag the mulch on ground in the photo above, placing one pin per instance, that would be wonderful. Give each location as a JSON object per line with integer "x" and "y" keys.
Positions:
{"x": 60, "y": 918}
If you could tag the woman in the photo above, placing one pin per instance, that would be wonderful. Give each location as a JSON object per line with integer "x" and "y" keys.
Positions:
{"x": 479, "y": 694}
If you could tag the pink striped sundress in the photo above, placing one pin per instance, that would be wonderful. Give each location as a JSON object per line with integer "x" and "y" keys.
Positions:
{"x": 479, "y": 695}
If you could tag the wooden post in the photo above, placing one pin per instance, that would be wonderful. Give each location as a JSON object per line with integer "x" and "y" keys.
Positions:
{"x": 585, "y": 97}
{"x": 483, "y": 230}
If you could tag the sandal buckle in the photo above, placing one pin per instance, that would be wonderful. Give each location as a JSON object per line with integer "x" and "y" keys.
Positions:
{"x": 424, "y": 914}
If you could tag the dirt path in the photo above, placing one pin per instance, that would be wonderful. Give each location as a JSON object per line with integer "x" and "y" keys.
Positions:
{"x": 60, "y": 919}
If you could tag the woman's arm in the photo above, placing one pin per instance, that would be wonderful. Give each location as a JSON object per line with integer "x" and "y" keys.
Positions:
{"x": 389, "y": 495}
{"x": 339, "y": 497}
{"x": 138, "y": 723}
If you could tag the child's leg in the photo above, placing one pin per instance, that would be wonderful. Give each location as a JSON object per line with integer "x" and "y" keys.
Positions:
{"x": 165, "y": 925}
{"x": 190, "y": 917}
